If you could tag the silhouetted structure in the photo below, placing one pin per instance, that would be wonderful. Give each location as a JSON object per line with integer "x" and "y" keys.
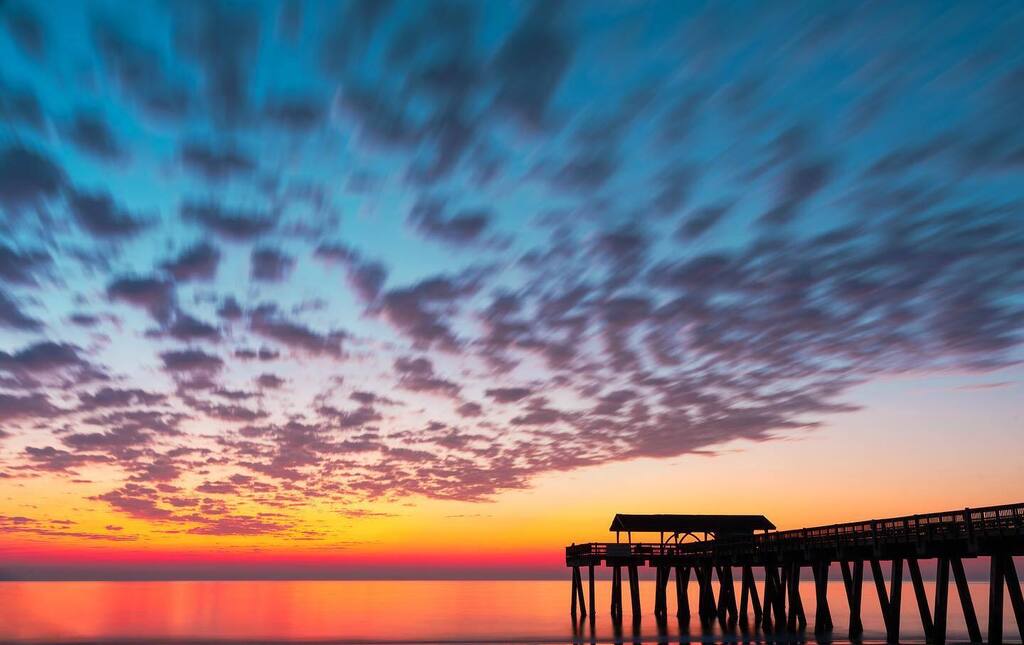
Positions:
{"x": 722, "y": 543}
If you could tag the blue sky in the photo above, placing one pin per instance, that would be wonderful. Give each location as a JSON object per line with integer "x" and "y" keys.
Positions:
{"x": 367, "y": 251}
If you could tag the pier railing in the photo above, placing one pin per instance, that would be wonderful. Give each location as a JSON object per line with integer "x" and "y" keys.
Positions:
{"x": 969, "y": 524}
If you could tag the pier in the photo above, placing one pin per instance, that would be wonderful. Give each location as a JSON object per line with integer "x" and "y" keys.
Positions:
{"x": 703, "y": 548}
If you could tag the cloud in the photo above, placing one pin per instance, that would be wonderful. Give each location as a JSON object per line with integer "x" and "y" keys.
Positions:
{"x": 154, "y": 295}
{"x": 270, "y": 265}
{"x": 18, "y": 267}
{"x": 224, "y": 42}
{"x": 231, "y": 224}
{"x": 13, "y": 317}
{"x": 215, "y": 164}
{"x": 91, "y": 134}
{"x": 530, "y": 65}
{"x": 98, "y": 214}
{"x": 190, "y": 360}
{"x": 26, "y": 29}
{"x": 509, "y": 394}
{"x": 198, "y": 262}
{"x": 44, "y": 356}
{"x": 296, "y": 336}
{"x": 27, "y": 178}
{"x": 366, "y": 277}
{"x": 466, "y": 227}
{"x": 416, "y": 374}
{"x": 30, "y": 406}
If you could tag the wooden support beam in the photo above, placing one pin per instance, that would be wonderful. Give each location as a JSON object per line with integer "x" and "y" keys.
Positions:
{"x": 769, "y": 599}
{"x": 941, "y": 601}
{"x": 796, "y": 619}
{"x": 682, "y": 598}
{"x": 779, "y": 595}
{"x": 964, "y": 591}
{"x": 578, "y": 586}
{"x": 616, "y": 605}
{"x": 634, "y": 591}
{"x": 889, "y": 601}
{"x": 1014, "y": 591}
{"x": 726, "y": 609}
{"x": 853, "y": 581}
{"x": 895, "y": 600}
{"x": 922, "y": 599}
{"x": 706, "y": 604}
{"x": 997, "y": 575}
{"x": 822, "y": 612}
{"x": 572, "y": 610}
{"x": 592, "y": 595}
{"x": 660, "y": 591}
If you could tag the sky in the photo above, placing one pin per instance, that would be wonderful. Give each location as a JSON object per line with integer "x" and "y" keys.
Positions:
{"x": 433, "y": 289}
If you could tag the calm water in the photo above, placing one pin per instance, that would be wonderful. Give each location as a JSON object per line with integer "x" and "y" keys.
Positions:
{"x": 378, "y": 611}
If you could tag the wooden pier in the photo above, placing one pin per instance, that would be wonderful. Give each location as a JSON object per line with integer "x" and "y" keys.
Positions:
{"x": 708, "y": 547}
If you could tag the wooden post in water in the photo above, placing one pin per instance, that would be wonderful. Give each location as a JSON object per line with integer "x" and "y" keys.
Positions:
{"x": 634, "y": 591}
{"x": 1016, "y": 597}
{"x": 922, "y": 599}
{"x": 964, "y": 591}
{"x": 822, "y": 612}
{"x": 748, "y": 590}
{"x": 853, "y": 581}
{"x": 941, "y": 601}
{"x": 616, "y": 607}
{"x": 889, "y": 601}
{"x": 592, "y": 595}
{"x": 682, "y": 598}
{"x": 572, "y": 609}
{"x": 796, "y": 619}
{"x": 995, "y": 599}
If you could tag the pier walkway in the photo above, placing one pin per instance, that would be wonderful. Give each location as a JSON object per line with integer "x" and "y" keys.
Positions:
{"x": 706, "y": 547}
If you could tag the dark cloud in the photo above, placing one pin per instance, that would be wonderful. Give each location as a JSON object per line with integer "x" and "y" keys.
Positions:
{"x": 223, "y": 41}
{"x": 270, "y": 265}
{"x": 27, "y": 178}
{"x": 465, "y": 227}
{"x": 20, "y": 106}
{"x": 140, "y": 71}
{"x": 530, "y": 65}
{"x": 295, "y": 114}
{"x": 421, "y": 311}
{"x": 25, "y": 27}
{"x": 215, "y": 163}
{"x": 191, "y": 360}
{"x": 186, "y": 328}
{"x": 701, "y": 221}
{"x": 30, "y": 406}
{"x": 17, "y": 267}
{"x": 13, "y": 317}
{"x": 509, "y": 394}
{"x": 110, "y": 397}
{"x": 269, "y": 381}
{"x": 154, "y": 295}
{"x": 198, "y": 262}
{"x": 295, "y": 336}
{"x": 44, "y": 356}
{"x": 416, "y": 374}
{"x": 231, "y": 224}
{"x": 91, "y": 134}
{"x": 366, "y": 277}
{"x": 98, "y": 214}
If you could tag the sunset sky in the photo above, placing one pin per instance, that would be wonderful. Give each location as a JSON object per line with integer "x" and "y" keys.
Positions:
{"x": 409, "y": 289}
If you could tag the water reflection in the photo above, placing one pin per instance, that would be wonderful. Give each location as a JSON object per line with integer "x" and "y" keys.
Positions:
{"x": 368, "y": 611}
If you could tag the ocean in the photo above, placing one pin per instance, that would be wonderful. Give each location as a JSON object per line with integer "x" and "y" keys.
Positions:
{"x": 532, "y": 611}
